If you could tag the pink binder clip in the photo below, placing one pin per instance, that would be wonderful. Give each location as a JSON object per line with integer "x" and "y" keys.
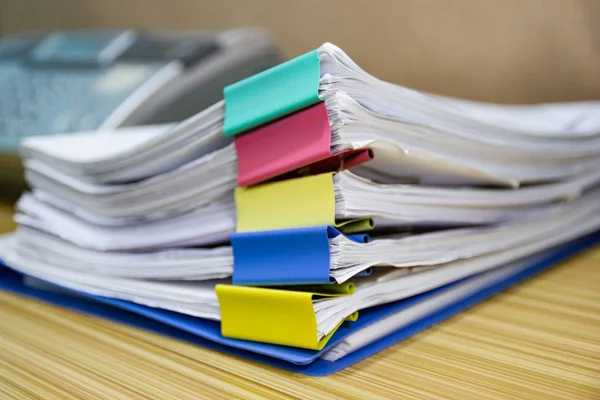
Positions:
{"x": 298, "y": 144}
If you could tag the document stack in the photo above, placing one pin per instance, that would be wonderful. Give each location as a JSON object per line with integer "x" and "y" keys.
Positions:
{"x": 314, "y": 217}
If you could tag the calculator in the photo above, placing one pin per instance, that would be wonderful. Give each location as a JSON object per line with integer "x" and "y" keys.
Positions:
{"x": 71, "y": 81}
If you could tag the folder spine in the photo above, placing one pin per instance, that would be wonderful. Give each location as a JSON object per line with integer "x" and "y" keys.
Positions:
{"x": 284, "y": 317}
{"x": 272, "y": 94}
{"x": 285, "y": 257}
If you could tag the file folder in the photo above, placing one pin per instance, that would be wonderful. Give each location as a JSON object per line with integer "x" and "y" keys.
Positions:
{"x": 443, "y": 140}
{"x": 282, "y": 128}
{"x": 207, "y": 333}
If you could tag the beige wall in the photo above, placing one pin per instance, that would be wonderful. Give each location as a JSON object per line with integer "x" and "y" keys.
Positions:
{"x": 497, "y": 50}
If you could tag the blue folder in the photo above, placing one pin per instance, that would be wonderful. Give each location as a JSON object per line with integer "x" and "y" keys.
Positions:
{"x": 207, "y": 333}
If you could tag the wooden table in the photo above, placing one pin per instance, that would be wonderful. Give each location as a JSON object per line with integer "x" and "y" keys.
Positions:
{"x": 538, "y": 340}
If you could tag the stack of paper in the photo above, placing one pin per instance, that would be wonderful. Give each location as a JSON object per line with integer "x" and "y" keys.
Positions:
{"x": 313, "y": 192}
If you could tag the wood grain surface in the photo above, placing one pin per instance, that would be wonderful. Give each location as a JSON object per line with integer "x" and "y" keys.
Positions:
{"x": 539, "y": 340}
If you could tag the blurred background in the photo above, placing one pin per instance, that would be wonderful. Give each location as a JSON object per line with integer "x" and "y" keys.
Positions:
{"x": 517, "y": 51}
{"x": 509, "y": 51}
